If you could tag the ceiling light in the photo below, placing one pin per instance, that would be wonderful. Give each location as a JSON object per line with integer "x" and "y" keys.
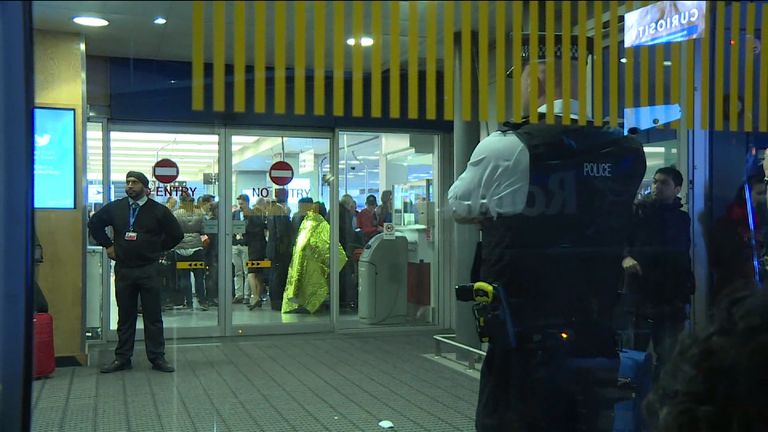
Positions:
{"x": 160, "y": 20}
{"x": 364, "y": 41}
{"x": 667, "y": 63}
{"x": 623, "y": 60}
{"x": 90, "y": 21}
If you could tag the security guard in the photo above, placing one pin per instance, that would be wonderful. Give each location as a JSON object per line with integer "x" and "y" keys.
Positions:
{"x": 554, "y": 202}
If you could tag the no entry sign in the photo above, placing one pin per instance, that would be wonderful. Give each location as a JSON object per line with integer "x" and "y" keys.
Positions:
{"x": 165, "y": 171}
{"x": 281, "y": 173}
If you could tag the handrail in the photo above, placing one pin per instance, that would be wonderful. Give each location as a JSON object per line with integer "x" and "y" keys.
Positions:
{"x": 446, "y": 338}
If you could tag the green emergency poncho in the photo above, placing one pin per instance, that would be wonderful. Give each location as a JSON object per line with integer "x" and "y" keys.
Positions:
{"x": 307, "y": 284}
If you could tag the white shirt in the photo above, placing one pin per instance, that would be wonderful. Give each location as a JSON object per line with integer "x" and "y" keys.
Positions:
{"x": 496, "y": 179}
{"x": 140, "y": 201}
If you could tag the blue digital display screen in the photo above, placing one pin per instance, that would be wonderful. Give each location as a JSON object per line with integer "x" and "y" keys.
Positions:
{"x": 54, "y": 158}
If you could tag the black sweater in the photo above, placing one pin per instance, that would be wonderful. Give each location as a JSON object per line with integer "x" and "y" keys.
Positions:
{"x": 156, "y": 228}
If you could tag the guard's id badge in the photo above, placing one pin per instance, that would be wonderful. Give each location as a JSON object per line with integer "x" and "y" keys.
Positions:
{"x": 131, "y": 236}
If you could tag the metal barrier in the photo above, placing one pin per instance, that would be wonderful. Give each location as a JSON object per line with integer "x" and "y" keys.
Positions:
{"x": 474, "y": 353}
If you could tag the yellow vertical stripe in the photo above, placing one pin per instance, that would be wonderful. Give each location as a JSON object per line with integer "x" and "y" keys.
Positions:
{"x": 582, "y": 68}
{"x": 394, "y": 60}
{"x": 339, "y": 45}
{"x": 501, "y": 61}
{"x": 674, "y": 83}
{"x": 299, "y": 59}
{"x": 658, "y": 98}
{"x": 689, "y": 83}
{"x": 280, "y": 29}
{"x": 466, "y": 60}
{"x": 482, "y": 74}
{"x": 517, "y": 63}
{"x": 198, "y": 55}
{"x": 239, "y": 46}
{"x": 733, "y": 121}
{"x": 566, "y": 70}
{"x": 629, "y": 72}
{"x": 597, "y": 87}
{"x": 719, "y": 65}
{"x": 378, "y": 36}
{"x": 749, "y": 67}
{"x": 613, "y": 66}
{"x": 764, "y": 72}
{"x": 432, "y": 60}
{"x": 534, "y": 56}
{"x": 319, "y": 78}
{"x": 448, "y": 35}
{"x": 260, "y": 58}
{"x": 357, "y": 60}
{"x": 549, "y": 50}
{"x": 705, "y": 81}
{"x": 219, "y": 55}
{"x": 413, "y": 60}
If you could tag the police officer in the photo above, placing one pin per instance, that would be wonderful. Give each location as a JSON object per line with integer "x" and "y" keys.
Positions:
{"x": 554, "y": 203}
{"x": 143, "y": 229}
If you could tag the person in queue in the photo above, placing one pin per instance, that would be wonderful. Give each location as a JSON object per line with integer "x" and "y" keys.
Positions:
{"x": 554, "y": 202}
{"x": 143, "y": 229}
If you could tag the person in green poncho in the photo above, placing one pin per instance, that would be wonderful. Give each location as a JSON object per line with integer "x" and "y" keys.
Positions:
{"x": 307, "y": 286}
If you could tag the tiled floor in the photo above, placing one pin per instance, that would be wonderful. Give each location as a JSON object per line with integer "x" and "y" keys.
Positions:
{"x": 311, "y": 382}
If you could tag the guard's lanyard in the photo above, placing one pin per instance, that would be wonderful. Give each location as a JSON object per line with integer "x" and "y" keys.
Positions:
{"x": 132, "y": 216}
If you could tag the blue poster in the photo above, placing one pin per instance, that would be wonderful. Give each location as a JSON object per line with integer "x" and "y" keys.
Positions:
{"x": 54, "y": 158}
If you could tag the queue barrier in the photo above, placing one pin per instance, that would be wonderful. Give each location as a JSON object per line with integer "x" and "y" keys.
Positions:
{"x": 259, "y": 264}
{"x": 190, "y": 264}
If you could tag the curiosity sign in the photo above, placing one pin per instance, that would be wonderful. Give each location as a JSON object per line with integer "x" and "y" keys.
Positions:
{"x": 666, "y": 21}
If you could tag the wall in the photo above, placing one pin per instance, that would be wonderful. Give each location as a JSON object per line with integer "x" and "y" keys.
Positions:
{"x": 59, "y": 61}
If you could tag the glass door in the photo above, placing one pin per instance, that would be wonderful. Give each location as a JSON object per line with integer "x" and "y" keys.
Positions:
{"x": 387, "y": 227}
{"x": 277, "y": 277}
{"x": 190, "y": 280}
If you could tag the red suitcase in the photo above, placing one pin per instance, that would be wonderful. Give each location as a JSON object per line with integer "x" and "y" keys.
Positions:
{"x": 44, "y": 360}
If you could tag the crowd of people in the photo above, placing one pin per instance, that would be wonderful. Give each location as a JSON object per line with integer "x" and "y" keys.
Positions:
{"x": 268, "y": 230}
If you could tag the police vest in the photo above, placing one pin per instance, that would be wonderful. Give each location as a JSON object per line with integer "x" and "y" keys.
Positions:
{"x": 560, "y": 258}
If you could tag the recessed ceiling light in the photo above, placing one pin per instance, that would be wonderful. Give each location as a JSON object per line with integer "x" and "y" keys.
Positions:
{"x": 90, "y": 21}
{"x": 623, "y": 60}
{"x": 160, "y": 20}
{"x": 364, "y": 41}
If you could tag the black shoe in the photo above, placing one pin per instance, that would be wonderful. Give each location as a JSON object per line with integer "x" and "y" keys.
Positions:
{"x": 257, "y": 304}
{"x": 162, "y": 365}
{"x": 115, "y": 366}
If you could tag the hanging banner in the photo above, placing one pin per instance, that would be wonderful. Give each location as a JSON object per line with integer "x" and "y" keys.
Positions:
{"x": 666, "y": 21}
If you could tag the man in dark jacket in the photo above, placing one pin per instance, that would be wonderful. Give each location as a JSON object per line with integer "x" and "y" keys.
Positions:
{"x": 143, "y": 229}
{"x": 657, "y": 265}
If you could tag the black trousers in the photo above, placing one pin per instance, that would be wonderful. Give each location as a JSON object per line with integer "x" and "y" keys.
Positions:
{"x": 527, "y": 390}
{"x": 130, "y": 283}
{"x": 277, "y": 283}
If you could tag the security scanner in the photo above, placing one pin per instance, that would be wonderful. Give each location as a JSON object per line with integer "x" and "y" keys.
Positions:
{"x": 383, "y": 273}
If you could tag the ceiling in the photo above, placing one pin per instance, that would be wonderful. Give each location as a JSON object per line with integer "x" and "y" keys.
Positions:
{"x": 133, "y": 34}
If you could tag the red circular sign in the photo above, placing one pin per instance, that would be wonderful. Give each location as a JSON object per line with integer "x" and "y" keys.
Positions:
{"x": 165, "y": 171}
{"x": 281, "y": 173}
